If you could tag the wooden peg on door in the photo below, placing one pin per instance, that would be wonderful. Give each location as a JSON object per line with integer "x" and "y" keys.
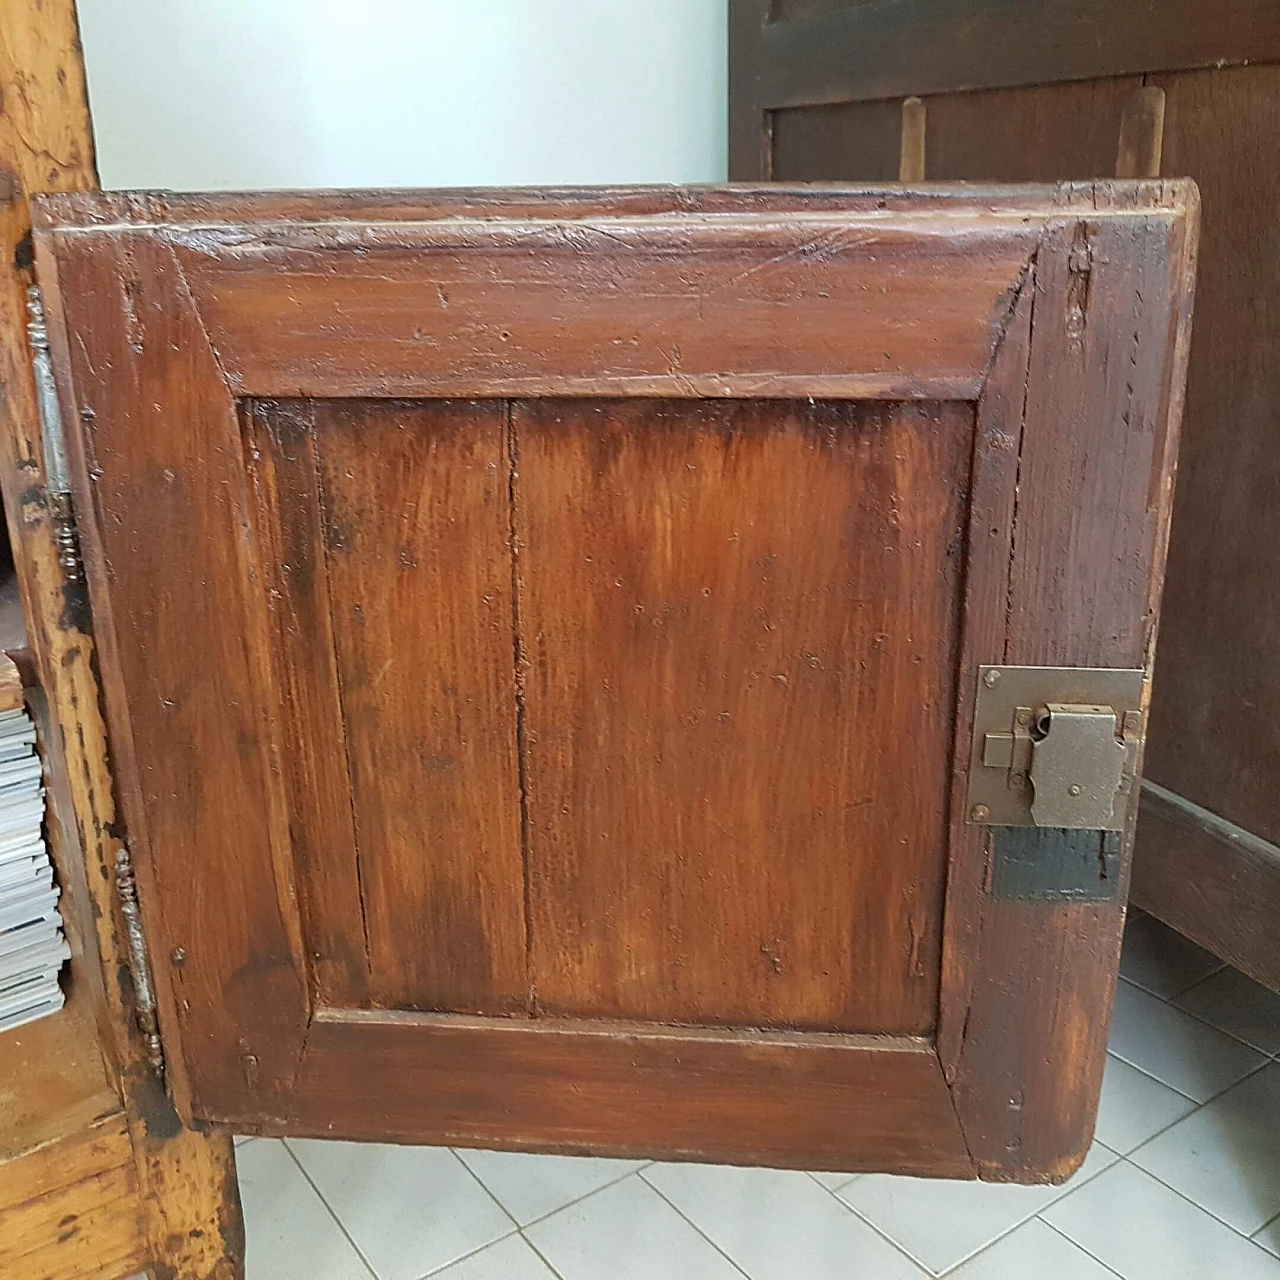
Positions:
{"x": 911, "y": 157}
{"x": 1141, "y": 134}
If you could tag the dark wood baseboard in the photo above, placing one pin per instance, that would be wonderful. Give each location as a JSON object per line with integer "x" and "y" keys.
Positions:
{"x": 1210, "y": 880}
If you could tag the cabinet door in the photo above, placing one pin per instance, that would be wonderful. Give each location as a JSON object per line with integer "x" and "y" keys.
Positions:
{"x": 541, "y": 633}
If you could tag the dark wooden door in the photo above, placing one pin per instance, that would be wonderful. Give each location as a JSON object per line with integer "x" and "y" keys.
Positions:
{"x": 1083, "y": 89}
{"x": 540, "y": 636}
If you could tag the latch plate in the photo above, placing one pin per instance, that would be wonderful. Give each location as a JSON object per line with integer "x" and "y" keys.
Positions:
{"x": 1054, "y": 747}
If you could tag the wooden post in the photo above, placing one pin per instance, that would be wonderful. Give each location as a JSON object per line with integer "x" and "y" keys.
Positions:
{"x": 176, "y": 1210}
{"x": 1141, "y": 134}
{"x": 911, "y": 158}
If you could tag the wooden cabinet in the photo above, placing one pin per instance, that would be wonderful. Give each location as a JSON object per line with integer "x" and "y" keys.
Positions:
{"x": 1079, "y": 89}
{"x": 98, "y": 1176}
{"x": 540, "y": 637}
{"x": 520, "y": 684}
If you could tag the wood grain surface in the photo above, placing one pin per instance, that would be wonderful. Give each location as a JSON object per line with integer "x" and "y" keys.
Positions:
{"x": 1214, "y": 881}
{"x": 634, "y": 1090}
{"x": 417, "y": 538}
{"x": 73, "y": 1208}
{"x": 173, "y": 715}
{"x": 136, "y": 1190}
{"x": 1217, "y": 701}
{"x": 727, "y": 880}
{"x": 1095, "y": 478}
{"x": 739, "y": 624}
{"x": 1097, "y": 90}
{"x": 857, "y": 52}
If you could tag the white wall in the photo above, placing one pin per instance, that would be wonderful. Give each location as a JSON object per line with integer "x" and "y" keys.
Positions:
{"x": 243, "y": 94}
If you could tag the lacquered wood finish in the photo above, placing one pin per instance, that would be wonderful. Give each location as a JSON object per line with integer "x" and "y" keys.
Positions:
{"x": 641, "y": 678}
{"x": 709, "y": 843}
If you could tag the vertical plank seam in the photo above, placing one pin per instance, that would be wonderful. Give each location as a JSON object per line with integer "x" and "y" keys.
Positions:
{"x": 1033, "y": 283}
{"x": 323, "y": 511}
{"x": 518, "y": 663}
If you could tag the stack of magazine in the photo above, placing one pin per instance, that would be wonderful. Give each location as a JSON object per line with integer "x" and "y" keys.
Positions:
{"x": 32, "y": 946}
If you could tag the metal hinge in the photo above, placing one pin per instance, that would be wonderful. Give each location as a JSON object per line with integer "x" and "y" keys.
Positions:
{"x": 61, "y": 512}
{"x": 139, "y": 962}
{"x": 1052, "y": 766}
{"x": 57, "y": 478}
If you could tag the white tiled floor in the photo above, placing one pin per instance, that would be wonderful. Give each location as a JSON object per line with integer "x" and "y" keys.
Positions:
{"x": 1183, "y": 1183}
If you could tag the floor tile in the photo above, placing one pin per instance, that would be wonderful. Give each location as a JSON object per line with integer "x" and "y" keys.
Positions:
{"x": 241, "y": 1138}
{"x": 1145, "y": 1231}
{"x": 834, "y": 1181}
{"x": 940, "y": 1223}
{"x": 1034, "y": 1249}
{"x": 510, "y": 1258}
{"x": 1195, "y": 1059}
{"x": 777, "y": 1224}
{"x": 410, "y": 1210}
{"x": 531, "y": 1186}
{"x": 1269, "y": 1236}
{"x": 1226, "y": 1157}
{"x": 1238, "y": 1005}
{"x": 1160, "y": 960}
{"x": 289, "y": 1234}
{"x": 1135, "y": 1107}
{"x": 627, "y": 1232}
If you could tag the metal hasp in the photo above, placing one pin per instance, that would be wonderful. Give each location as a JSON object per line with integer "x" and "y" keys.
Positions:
{"x": 1054, "y": 747}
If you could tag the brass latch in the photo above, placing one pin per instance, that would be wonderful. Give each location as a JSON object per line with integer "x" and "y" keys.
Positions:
{"x": 1055, "y": 746}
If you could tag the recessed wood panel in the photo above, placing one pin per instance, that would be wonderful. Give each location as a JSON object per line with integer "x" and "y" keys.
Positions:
{"x": 740, "y": 623}
{"x": 842, "y": 140}
{"x": 1043, "y": 133}
{"x": 412, "y": 713}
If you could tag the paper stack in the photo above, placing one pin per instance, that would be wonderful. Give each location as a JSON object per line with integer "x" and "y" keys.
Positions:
{"x": 32, "y": 946}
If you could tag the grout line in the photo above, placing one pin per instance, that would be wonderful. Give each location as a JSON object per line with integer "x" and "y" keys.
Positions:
{"x": 1064, "y": 1193}
{"x": 1257, "y": 1048}
{"x": 485, "y": 1189}
{"x": 1159, "y": 995}
{"x": 1199, "y": 982}
{"x": 462, "y": 1257}
{"x": 568, "y": 1204}
{"x": 862, "y": 1217}
{"x": 852, "y": 1177}
{"x": 1078, "y": 1245}
{"x": 1142, "y": 1071}
{"x": 1182, "y": 1195}
{"x": 546, "y": 1262}
{"x": 1266, "y": 1060}
{"x": 1270, "y": 1222}
{"x": 658, "y": 1192}
{"x": 342, "y": 1226}
{"x": 1248, "y": 1075}
{"x": 1195, "y": 1017}
{"x": 1177, "y": 995}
